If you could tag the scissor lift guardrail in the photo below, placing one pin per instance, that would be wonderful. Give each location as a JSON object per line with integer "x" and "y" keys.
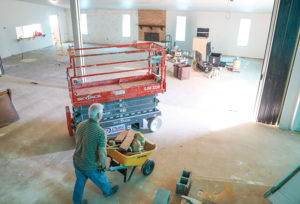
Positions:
{"x": 127, "y": 100}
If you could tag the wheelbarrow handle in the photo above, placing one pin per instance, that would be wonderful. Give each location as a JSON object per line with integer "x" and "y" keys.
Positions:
{"x": 115, "y": 168}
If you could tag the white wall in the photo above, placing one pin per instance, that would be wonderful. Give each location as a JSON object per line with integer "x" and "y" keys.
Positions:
{"x": 105, "y": 26}
{"x": 16, "y": 13}
{"x": 224, "y": 29}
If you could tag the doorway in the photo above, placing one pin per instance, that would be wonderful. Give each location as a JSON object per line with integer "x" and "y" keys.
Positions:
{"x": 55, "y": 30}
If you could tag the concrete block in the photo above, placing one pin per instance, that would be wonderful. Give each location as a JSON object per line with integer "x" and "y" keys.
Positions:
{"x": 184, "y": 182}
{"x": 162, "y": 196}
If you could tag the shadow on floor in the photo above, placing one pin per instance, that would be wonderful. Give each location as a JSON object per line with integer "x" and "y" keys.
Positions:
{"x": 35, "y": 138}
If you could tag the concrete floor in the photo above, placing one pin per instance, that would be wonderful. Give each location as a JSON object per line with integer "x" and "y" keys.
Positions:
{"x": 208, "y": 129}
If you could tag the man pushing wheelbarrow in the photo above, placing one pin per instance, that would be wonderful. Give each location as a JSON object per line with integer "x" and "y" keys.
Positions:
{"x": 129, "y": 149}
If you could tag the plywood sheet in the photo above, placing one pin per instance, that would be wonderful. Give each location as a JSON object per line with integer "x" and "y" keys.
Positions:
{"x": 200, "y": 45}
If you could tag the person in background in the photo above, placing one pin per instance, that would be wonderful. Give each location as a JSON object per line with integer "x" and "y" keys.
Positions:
{"x": 90, "y": 154}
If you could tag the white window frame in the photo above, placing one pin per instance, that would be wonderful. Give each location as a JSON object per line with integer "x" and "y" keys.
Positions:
{"x": 180, "y": 28}
{"x": 126, "y": 25}
{"x": 83, "y": 24}
{"x": 244, "y": 32}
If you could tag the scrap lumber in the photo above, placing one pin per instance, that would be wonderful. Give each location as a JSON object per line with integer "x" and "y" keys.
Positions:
{"x": 121, "y": 136}
{"x": 127, "y": 141}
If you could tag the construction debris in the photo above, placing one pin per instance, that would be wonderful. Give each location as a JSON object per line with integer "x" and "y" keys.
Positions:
{"x": 121, "y": 136}
{"x": 128, "y": 142}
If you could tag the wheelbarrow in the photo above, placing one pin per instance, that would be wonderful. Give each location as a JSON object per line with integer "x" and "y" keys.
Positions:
{"x": 123, "y": 163}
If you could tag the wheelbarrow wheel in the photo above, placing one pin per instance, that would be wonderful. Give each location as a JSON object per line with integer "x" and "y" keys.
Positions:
{"x": 148, "y": 167}
{"x": 154, "y": 124}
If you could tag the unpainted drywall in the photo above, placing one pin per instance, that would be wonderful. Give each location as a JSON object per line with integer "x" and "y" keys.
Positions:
{"x": 17, "y": 13}
{"x": 290, "y": 117}
{"x": 105, "y": 26}
{"x": 223, "y": 32}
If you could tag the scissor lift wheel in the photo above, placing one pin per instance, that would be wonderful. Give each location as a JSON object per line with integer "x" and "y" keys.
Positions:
{"x": 154, "y": 124}
{"x": 148, "y": 167}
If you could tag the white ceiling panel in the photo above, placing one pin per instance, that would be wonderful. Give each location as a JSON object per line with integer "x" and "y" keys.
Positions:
{"x": 255, "y": 6}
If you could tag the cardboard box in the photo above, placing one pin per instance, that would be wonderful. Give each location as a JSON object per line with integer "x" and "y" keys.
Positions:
{"x": 175, "y": 70}
{"x": 184, "y": 73}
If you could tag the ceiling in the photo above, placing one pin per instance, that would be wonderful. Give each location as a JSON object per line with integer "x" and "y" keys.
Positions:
{"x": 255, "y": 6}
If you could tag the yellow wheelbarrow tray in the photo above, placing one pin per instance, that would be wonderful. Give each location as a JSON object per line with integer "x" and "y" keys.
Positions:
{"x": 121, "y": 162}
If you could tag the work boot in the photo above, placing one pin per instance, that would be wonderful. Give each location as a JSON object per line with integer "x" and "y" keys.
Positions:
{"x": 113, "y": 190}
{"x": 84, "y": 201}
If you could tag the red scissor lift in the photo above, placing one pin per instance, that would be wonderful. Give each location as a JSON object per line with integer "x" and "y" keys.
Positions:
{"x": 128, "y": 96}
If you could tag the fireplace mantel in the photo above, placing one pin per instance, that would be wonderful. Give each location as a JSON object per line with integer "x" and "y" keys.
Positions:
{"x": 151, "y": 26}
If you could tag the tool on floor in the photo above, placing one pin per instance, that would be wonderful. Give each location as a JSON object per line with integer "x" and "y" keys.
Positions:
{"x": 191, "y": 200}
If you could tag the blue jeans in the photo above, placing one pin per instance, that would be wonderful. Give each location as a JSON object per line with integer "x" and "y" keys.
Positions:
{"x": 97, "y": 177}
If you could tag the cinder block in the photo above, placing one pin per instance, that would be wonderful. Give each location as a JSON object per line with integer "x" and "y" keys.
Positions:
{"x": 162, "y": 196}
{"x": 184, "y": 182}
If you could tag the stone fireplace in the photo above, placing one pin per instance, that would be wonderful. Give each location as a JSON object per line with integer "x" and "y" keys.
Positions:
{"x": 152, "y": 25}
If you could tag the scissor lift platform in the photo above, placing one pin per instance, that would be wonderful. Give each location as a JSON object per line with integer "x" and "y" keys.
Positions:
{"x": 84, "y": 90}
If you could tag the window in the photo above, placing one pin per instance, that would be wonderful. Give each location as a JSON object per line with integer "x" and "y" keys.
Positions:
{"x": 244, "y": 31}
{"x": 83, "y": 24}
{"x": 180, "y": 28}
{"x": 126, "y": 25}
{"x": 29, "y": 31}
